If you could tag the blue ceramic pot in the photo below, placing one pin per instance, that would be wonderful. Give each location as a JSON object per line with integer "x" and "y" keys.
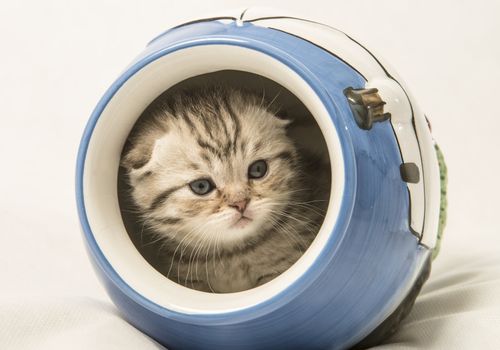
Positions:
{"x": 381, "y": 224}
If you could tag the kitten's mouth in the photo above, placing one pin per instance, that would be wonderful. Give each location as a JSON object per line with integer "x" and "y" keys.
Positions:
{"x": 242, "y": 222}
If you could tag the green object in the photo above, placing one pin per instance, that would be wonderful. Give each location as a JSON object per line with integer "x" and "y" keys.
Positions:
{"x": 443, "y": 171}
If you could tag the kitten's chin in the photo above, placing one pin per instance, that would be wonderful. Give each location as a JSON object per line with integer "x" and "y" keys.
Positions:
{"x": 240, "y": 233}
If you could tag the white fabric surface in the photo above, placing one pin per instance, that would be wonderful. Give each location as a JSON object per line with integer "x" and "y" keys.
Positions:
{"x": 58, "y": 58}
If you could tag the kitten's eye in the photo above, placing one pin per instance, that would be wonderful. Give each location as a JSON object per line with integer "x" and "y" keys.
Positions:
{"x": 257, "y": 169}
{"x": 201, "y": 186}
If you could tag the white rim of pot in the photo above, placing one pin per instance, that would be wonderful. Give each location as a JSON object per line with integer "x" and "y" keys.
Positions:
{"x": 102, "y": 162}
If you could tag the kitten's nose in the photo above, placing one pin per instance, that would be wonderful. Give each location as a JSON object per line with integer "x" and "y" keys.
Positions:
{"x": 239, "y": 205}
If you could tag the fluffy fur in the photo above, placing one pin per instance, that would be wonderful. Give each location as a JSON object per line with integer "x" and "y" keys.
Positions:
{"x": 208, "y": 243}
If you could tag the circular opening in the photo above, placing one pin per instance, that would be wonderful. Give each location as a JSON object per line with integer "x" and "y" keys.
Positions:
{"x": 262, "y": 169}
{"x": 102, "y": 160}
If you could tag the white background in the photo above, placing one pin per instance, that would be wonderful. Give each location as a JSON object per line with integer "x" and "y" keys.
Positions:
{"x": 58, "y": 57}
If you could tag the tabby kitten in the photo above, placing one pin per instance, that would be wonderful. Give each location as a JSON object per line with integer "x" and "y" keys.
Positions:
{"x": 216, "y": 179}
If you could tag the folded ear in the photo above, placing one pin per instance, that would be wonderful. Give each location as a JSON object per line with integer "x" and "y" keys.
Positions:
{"x": 283, "y": 118}
{"x": 140, "y": 144}
{"x": 137, "y": 154}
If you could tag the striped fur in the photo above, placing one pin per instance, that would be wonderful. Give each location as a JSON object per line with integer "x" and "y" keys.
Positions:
{"x": 217, "y": 133}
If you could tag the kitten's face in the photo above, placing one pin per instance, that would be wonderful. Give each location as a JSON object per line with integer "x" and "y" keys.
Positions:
{"x": 217, "y": 181}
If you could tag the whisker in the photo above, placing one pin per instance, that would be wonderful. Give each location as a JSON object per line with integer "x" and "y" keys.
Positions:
{"x": 286, "y": 234}
{"x": 175, "y": 251}
{"x": 206, "y": 264}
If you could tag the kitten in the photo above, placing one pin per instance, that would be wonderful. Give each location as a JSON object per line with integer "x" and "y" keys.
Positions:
{"x": 215, "y": 177}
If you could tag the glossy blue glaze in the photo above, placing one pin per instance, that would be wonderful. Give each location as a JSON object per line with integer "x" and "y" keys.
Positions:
{"x": 370, "y": 260}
